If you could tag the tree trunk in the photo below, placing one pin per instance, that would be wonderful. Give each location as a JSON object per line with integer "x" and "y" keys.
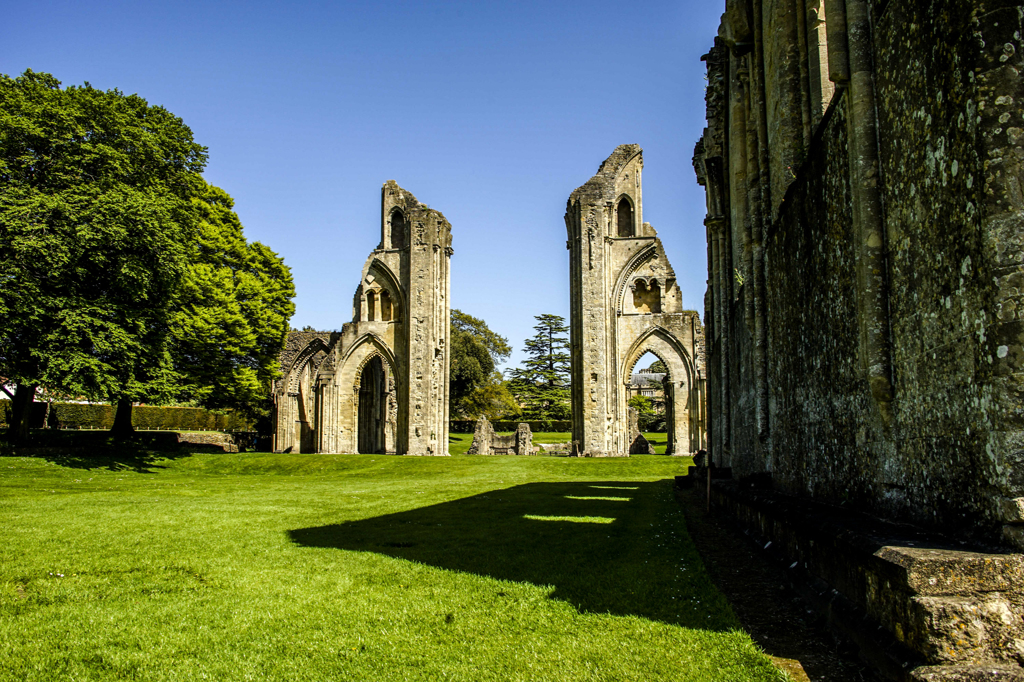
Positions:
{"x": 21, "y": 414}
{"x": 123, "y": 418}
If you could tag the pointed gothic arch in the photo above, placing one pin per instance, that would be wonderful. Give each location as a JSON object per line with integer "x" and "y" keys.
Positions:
{"x": 644, "y": 255}
{"x": 679, "y": 389}
{"x": 625, "y": 217}
{"x": 387, "y": 280}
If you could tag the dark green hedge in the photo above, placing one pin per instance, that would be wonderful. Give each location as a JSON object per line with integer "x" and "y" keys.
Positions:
{"x": 556, "y": 426}
{"x": 78, "y": 416}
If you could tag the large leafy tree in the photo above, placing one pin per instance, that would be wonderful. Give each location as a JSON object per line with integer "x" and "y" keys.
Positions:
{"x": 658, "y": 366}
{"x": 495, "y": 344}
{"x": 96, "y": 221}
{"x": 474, "y": 388}
{"x": 491, "y": 399}
{"x": 541, "y": 384}
{"x": 233, "y": 312}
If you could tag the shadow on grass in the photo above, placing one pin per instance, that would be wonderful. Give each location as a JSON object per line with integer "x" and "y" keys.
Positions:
{"x": 116, "y": 459}
{"x": 603, "y": 546}
{"x": 141, "y": 453}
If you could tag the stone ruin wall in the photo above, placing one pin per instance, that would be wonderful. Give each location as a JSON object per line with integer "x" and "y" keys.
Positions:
{"x": 486, "y": 442}
{"x": 863, "y": 167}
{"x": 624, "y": 301}
{"x": 398, "y": 341}
{"x": 638, "y": 445}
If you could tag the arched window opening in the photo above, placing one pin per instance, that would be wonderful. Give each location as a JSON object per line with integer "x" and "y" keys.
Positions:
{"x": 646, "y": 296}
{"x": 625, "y": 218}
{"x": 640, "y": 297}
{"x": 399, "y": 230}
{"x": 385, "y": 306}
{"x": 373, "y": 408}
{"x": 371, "y": 306}
{"x": 654, "y": 297}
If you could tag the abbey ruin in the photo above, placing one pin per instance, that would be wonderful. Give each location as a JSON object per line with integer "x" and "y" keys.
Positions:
{"x": 862, "y": 164}
{"x": 625, "y": 302}
{"x": 380, "y": 385}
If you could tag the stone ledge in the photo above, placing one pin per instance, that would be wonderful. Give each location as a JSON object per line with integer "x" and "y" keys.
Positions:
{"x": 211, "y": 438}
{"x": 911, "y": 601}
{"x": 967, "y": 673}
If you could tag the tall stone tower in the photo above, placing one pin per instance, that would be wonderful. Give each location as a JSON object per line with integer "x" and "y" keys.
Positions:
{"x": 381, "y": 384}
{"x": 421, "y": 241}
{"x": 625, "y": 303}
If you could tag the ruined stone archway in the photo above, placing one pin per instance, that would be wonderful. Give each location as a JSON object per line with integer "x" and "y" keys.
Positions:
{"x": 369, "y": 399}
{"x": 625, "y": 301}
{"x": 383, "y": 384}
{"x": 377, "y": 408}
{"x": 296, "y": 400}
{"x": 678, "y": 385}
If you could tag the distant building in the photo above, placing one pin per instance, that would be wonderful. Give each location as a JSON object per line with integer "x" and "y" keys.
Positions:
{"x": 648, "y": 384}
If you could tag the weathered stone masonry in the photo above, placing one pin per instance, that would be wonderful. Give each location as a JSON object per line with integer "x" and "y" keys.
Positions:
{"x": 865, "y": 270}
{"x": 381, "y": 384}
{"x": 863, "y": 173}
{"x": 625, "y": 302}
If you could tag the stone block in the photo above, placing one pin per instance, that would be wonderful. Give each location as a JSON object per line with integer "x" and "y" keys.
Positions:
{"x": 906, "y": 595}
{"x": 1011, "y": 509}
{"x": 1013, "y": 535}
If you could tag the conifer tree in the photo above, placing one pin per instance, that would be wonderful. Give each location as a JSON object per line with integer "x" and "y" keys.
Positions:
{"x": 541, "y": 385}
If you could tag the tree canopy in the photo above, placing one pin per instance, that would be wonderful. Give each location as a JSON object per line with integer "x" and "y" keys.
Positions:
{"x": 541, "y": 384}
{"x": 123, "y": 275}
{"x": 647, "y": 417}
{"x": 658, "y": 367}
{"x": 96, "y": 215}
{"x": 232, "y": 318}
{"x": 496, "y": 345}
{"x": 475, "y": 388}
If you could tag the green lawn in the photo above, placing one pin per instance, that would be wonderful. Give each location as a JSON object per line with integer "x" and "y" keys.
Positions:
{"x": 357, "y": 567}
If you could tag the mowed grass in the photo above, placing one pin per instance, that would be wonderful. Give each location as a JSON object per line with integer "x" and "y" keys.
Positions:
{"x": 357, "y": 567}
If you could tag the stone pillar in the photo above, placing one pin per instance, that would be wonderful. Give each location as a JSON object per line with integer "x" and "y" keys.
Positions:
{"x": 483, "y": 434}
{"x": 524, "y": 440}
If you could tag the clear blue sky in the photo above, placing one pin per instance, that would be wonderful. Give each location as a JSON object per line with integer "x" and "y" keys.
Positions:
{"x": 489, "y": 112}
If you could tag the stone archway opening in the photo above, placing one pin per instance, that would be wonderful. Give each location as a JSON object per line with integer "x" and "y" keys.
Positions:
{"x": 624, "y": 216}
{"x": 378, "y": 409}
{"x": 399, "y": 230}
{"x": 657, "y": 386}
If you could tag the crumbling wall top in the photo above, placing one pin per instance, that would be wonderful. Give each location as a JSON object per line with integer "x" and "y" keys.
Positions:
{"x": 603, "y": 183}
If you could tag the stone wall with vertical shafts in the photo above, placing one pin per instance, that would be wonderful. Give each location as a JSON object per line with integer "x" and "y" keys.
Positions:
{"x": 400, "y": 318}
{"x": 427, "y": 282}
{"x": 624, "y": 302}
{"x": 863, "y": 163}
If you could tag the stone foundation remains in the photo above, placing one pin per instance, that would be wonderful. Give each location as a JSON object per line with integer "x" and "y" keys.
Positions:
{"x": 918, "y": 605}
{"x": 486, "y": 442}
